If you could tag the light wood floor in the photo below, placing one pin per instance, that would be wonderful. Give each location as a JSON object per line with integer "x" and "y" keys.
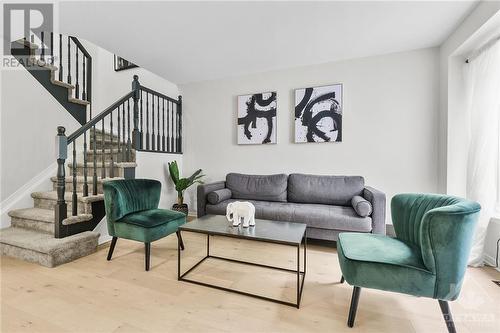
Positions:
{"x": 93, "y": 295}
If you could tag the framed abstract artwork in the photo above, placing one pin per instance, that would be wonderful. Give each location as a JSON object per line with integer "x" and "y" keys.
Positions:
{"x": 318, "y": 114}
{"x": 257, "y": 118}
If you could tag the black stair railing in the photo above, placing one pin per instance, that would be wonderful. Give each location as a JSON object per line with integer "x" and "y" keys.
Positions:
{"x": 73, "y": 61}
{"x": 115, "y": 145}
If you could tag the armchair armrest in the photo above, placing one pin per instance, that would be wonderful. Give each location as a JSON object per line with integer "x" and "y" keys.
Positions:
{"x": 201, "y": 195}
{"x": 377, "y": 199}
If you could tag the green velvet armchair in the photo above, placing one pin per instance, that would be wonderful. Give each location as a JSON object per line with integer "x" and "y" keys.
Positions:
{"x": 132, "y": 213}
{"x": 428, "y": 257}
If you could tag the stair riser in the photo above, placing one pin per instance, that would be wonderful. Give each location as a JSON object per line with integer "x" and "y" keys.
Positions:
{"x": 32, "y": 225}
{"x": 65, "y": 255}
{"x": 106, "y": 136}
{"x": 79, "y": 186}
{"x": 90, "y": 171}
{"x": 107, "y": 157}
{"x": 107, "y": 145}
{"x": 82, "y": 208}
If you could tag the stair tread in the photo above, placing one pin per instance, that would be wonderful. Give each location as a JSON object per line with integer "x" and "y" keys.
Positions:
{"x": 81, "y": 179}
{"x": 52, "y": 195}
{"x": 78, "y": 101}
{"x": 62, "y": 84}
{"x": 34, "y": 214}
{"x": 106, "y": 164}
{"x": 41, "y": 241}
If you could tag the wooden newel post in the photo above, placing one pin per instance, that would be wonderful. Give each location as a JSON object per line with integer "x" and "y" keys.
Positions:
{"x": 61, "y": 208}
{"x": 136, "y": 135}
{"x": 179, "y": 142}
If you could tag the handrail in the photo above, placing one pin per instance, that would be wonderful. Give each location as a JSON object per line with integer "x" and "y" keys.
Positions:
{"x": 98, "y": 118}
{"x": 81, "y": 47}
{"x": 151, "y": 91}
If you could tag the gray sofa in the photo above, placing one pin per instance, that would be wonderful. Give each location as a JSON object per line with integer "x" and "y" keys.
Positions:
{"x": 324, "y": 203}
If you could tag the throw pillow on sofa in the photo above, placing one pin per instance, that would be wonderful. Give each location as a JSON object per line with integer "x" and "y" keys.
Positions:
{"x": 218, "y": 196}
{"x": 362, "y": 206}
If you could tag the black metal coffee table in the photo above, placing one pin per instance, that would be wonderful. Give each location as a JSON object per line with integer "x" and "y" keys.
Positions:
{"x": 285, "y": 233}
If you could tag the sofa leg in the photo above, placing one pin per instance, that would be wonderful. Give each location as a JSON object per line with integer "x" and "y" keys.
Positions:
{"x": 112, "y": 247}
{"x": 342, "y": 279}
{"x": 147, "y": 254}
{"x": 180, "y": 240}
{"x": 445, "y": 309}
{"x": 354, "y": 306}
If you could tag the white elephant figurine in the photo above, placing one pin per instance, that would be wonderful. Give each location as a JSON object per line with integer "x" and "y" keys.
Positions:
{"x": 238, "y": 210}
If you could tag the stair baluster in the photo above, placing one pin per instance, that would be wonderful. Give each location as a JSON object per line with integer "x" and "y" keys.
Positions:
{"x": 84, "y": 95}
{"x": 52, "y": 48}
{"x": 168, "y": 126}
{"x": 153, "y": 140}
{"x": 179, "y": 125}
{"x": 77, "y": 84}
{"x": 158, "y": 137}
{"x": 129, "y": 142}
{"x": 142, "y": 127}
{"x": 42, "y": 47}
{"x": 163, "y": 126}
{"x": 69, "y": 62}
{"x": 103, "y": 146}
{"x": 119, "y": 155}
{"x": 172, "y": 128}
{"x": 147, "y": 121}
{"x": 112, "y": 164}
{"x": 61, "y": 209}
{"x": 124, "y": 146}
{"x": 60, "y": 59}
{"x": 94, "y": 161}
{"x": 74, "y": 203}
{"x": 85, "y": 169}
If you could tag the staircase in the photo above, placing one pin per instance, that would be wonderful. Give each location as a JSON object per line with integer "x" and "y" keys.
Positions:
{"x": 59, "y": 227}
{"x": 31, "y": 235}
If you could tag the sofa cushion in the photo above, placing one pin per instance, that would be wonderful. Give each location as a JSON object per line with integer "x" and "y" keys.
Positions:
{"x": 362, "y": 206}
{"x": 257, "y": 187}
{"x": 328, "y": 190}
{"x": 314, "y": 215}
{"x": 215, "y": 197}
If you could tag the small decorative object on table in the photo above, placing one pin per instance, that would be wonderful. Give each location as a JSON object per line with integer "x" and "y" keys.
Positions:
{"x": 181, "y": 184}
{"x": 235, "y": 211}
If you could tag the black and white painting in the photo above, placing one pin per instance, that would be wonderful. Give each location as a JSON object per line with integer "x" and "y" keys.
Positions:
{"x": 257, "y": 118}
{"x": 318, "y": 114}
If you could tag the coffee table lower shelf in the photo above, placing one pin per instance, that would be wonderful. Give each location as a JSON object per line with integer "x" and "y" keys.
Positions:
{"x": 300, "y": 274}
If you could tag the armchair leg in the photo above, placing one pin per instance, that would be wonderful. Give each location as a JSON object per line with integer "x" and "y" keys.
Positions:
{"x": 354, "y": 306}
{"x": 342, "y": 279}
{"x": 180, "y": 240}
{"x": 445, "y": 309}
{"x": 147, "y": 253}
{"x": 112, "y": 247}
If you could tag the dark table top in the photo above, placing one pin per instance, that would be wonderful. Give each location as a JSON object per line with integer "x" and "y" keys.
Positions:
{"x": 264, "y": 230}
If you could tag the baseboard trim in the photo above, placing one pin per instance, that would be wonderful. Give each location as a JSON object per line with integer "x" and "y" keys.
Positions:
{"x": 21, "y": 198}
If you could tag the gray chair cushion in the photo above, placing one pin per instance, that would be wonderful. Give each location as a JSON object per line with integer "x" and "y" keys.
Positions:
{"x": 362, "y": 206}
{"x": 328, "y": 190}
{"x": 215, "y": 197}
{"x": 314, "y": 215}
{"x": 256, "y": 187}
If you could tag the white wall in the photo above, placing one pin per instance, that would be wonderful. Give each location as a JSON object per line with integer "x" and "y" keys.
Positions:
{"x": 390, "y": 123}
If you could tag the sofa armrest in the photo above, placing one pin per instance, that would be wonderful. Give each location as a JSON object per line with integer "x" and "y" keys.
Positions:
{"x": 377, "y": 199}
{"x": 201, "y": 195}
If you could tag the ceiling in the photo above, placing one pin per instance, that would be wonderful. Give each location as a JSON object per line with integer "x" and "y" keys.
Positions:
{"x": 196, "y": 41}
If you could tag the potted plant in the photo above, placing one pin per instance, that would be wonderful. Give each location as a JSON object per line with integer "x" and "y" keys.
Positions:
{"x": 181, "y": 184}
